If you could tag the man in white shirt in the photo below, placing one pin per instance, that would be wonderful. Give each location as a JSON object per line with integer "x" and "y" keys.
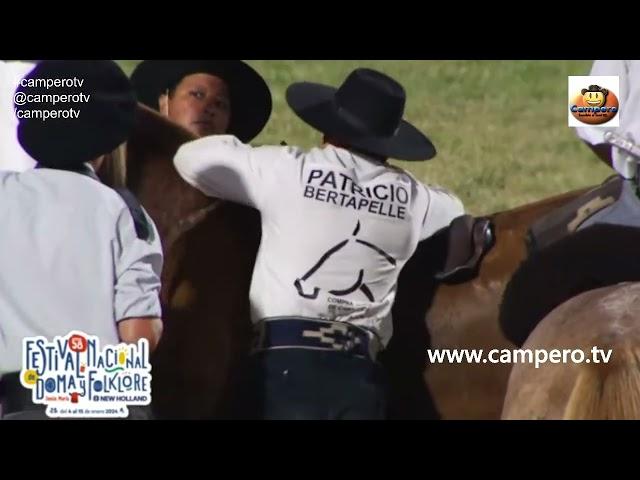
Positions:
{"x": 626, "y": 209}
{"x": 81, "y": 258}
{"x": 338, "y": 225}
{"x": 628, "y": 72}
{"x": 12, "y": 155}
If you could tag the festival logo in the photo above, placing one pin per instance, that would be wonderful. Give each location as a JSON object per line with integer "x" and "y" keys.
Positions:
{"x": 76, "y": 377}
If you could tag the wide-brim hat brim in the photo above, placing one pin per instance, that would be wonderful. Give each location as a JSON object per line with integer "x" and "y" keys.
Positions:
{"x": 251, "y": 102}
{"x": 80, "y": 131}
{"x": 314, "y": 104}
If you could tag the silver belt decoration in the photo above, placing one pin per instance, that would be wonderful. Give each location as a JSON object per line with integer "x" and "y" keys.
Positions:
{"x": 627, "y": 146}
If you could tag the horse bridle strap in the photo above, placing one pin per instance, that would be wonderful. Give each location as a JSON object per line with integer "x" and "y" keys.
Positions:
{"x": 190, "y": 221}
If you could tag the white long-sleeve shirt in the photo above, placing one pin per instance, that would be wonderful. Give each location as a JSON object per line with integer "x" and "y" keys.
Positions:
{"x": 12, "y": 155}
{"x": 337, "y": 227}
{"x": 70, "y": 259}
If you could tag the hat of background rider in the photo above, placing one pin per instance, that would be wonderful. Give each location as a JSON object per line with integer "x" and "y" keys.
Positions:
{"x": 90, "y": 106}
{"x": 365, "y": 112}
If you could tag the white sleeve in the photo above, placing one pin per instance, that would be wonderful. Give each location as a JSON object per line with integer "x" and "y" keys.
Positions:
{"x": 442, "y": 208}
{"x": 222, "y": 166}
{"x": 12, "y": 155}
{"x": 138, "y": 266}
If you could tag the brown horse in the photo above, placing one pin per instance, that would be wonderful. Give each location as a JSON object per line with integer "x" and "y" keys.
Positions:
{"x": 605, "y": 387}
{"x": 586, "y": 297}
{"x": 210, "y": 247}
{"x": 463, "y": 316}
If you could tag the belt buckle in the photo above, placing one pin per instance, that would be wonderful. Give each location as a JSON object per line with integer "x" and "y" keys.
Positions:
{"x": 329, "y": 335}
{"x": 339, "y": 336}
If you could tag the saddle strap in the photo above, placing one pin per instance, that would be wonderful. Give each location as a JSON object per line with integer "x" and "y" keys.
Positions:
{"x": 142, "y": 226}
{"x": 568, "y": 218}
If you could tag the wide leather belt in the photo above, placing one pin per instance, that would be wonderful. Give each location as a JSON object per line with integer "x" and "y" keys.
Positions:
{"x": 315, "y": 334}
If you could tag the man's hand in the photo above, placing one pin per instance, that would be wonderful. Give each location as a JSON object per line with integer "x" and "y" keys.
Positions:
{"x": 131, "y": 330}
{"x": 625, "y": 153}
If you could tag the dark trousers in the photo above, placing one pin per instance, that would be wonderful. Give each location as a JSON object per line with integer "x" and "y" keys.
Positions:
{"x": 300, "y": 384}
{"x": 15, "y": 401}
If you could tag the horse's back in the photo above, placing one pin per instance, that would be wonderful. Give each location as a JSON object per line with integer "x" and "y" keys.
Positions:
{"x": 465, "y": 316}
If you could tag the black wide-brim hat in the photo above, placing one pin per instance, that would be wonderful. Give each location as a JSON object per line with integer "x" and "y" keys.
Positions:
{"x": 250, "y": 97}
{"x": 91, "y": 107}
{"x": 365, "y": 113}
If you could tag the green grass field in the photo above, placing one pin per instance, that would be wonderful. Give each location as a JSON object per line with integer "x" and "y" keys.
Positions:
{"x": 500, "y": 127}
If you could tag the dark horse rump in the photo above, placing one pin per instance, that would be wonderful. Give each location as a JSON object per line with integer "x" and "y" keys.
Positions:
{"x": 598, "y": 256}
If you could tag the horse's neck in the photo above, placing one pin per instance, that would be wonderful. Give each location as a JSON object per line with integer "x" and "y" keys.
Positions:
{"x": 169, "y": 200}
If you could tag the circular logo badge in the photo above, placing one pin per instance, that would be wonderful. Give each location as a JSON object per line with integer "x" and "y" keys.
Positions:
{"x": 594, "y": 105}
{"x": 77, "y": 343}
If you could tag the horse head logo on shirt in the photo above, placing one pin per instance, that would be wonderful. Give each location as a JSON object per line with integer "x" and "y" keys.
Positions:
{"x": 325, "y": 262}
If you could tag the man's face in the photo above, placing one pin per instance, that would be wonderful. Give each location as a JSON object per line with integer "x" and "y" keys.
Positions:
{"x": 200, "y": 103}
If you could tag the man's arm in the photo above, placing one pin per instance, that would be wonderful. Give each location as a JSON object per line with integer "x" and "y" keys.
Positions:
{"x": 442, "y": 208}
{"x": 130, "y": 330}
{"x": 594, "y": 136}
{"x": 138, "y": 266}
{"x": 221, "y": 166}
